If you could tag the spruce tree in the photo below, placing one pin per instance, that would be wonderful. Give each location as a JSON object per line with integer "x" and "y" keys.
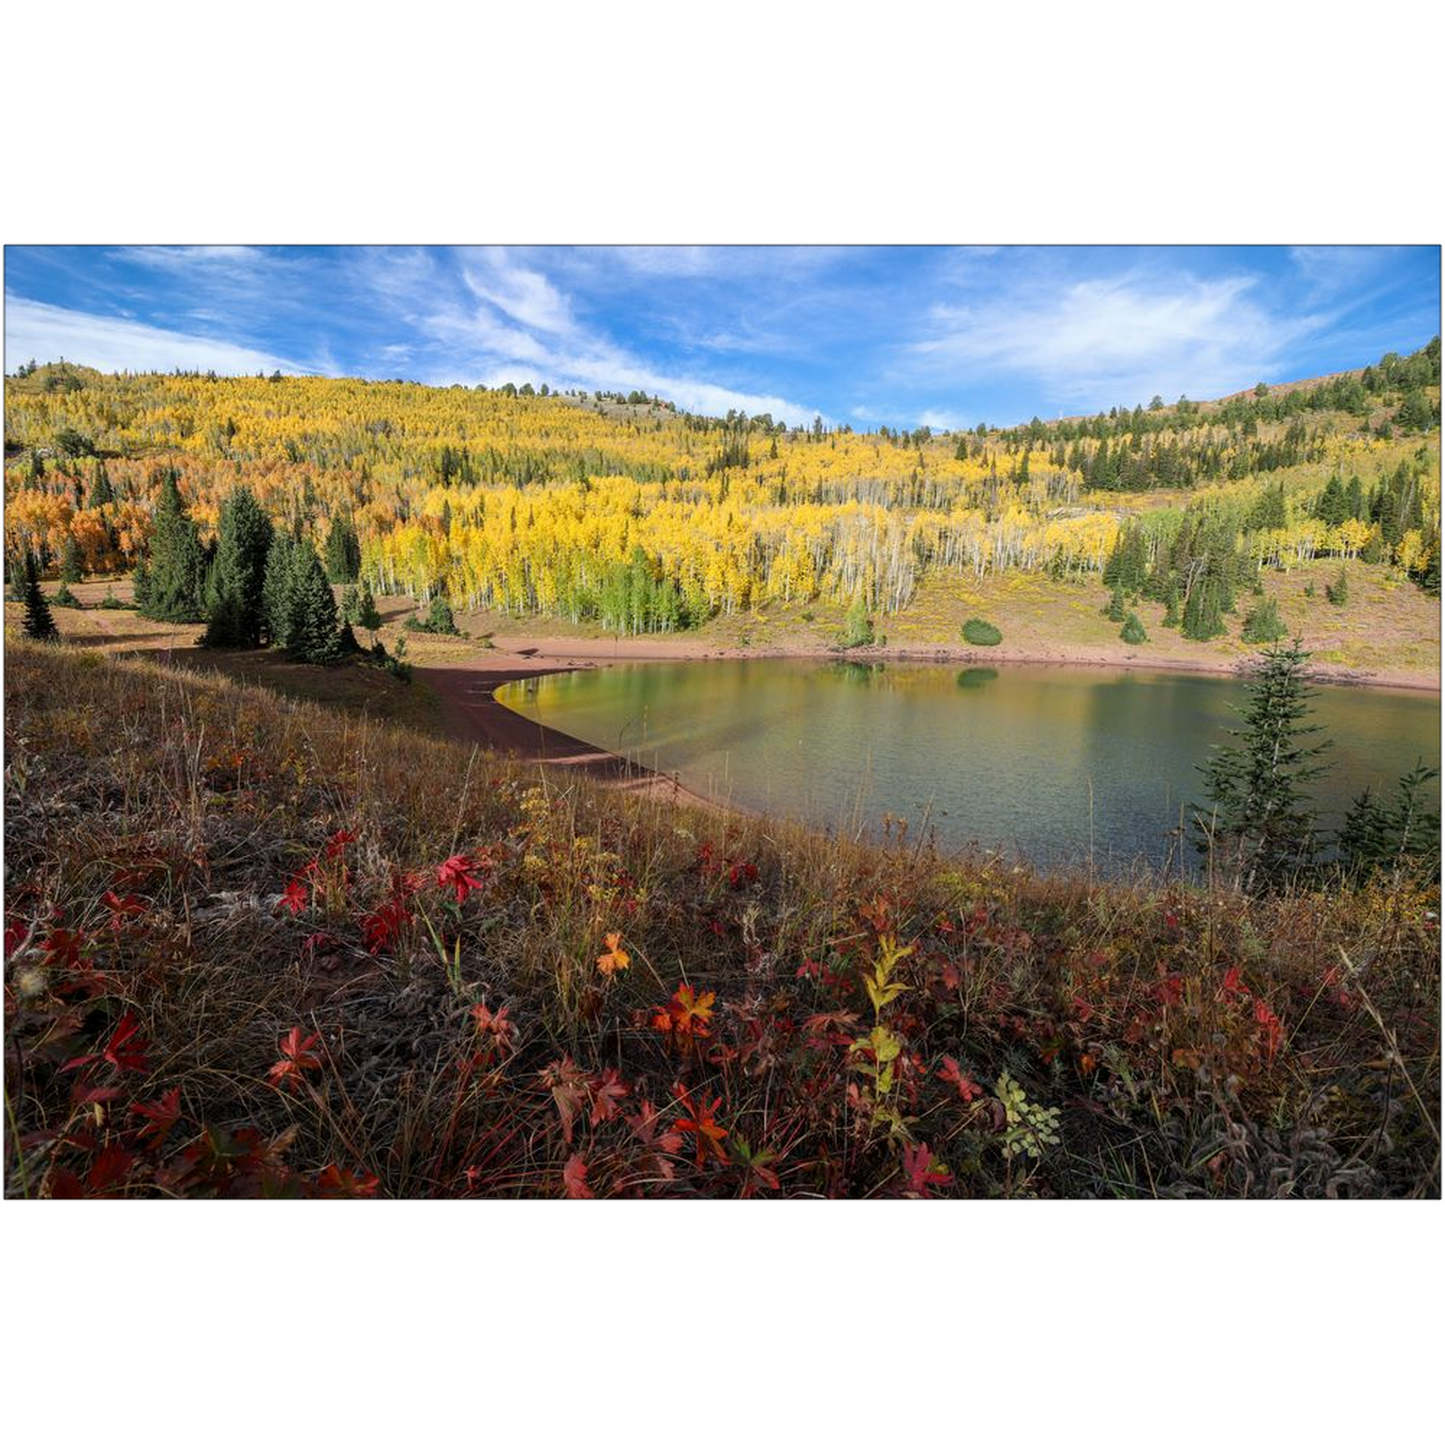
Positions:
{"x": 1133, "y": 631}
{"x": 358, "y": 607}
{"x": 1402, "y": 834}
{"x": 236, "y": 594}
{"x": 312, "y": 634}
{"x": 278, "y": 589}
{"x": 343, "y": 550}
{"x": 140, "y": 586}
{"x": 1204, "y": 610}
{"x": 70, "y": 561}
{"x": 177, "y": 561}
{"x": 101, "y": 493}
{"x": 1258, "y": 825}
{"x": 39, "y": 624}
{"x": 1262, "y": 624}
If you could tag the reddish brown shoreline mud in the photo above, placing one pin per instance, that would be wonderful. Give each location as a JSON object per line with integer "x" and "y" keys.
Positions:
{"x": 473, "y": 714}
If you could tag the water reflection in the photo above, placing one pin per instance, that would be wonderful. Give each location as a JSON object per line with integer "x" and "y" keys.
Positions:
{"x": 1057, "y": 764}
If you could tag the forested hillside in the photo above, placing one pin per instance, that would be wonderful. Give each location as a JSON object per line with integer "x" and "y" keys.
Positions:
{"x": 625, "y": 512}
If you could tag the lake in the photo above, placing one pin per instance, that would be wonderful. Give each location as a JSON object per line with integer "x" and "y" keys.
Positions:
{"x": 1051, "y": 763}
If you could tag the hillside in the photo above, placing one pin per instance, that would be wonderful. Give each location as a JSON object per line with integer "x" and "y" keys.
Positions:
{"x": 594, "y": 513}
{"x": 255, "y": 947}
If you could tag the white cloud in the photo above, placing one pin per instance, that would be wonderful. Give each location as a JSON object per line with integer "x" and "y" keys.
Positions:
{"x": 108, "y": 343}
{"x": 185, "y": 258}
{"x": 526, "y": 296}
{"x": 1121, "y": 340}
{"x": 508, "y": 322}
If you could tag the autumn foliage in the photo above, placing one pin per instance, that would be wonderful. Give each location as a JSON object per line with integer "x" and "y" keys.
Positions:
{"x": 292, "y": 975}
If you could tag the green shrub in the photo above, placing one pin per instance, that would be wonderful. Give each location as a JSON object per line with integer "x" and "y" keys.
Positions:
{"x": 857, "y": 625}
{"x": 66, "y": 598}
{"x": 981, "y": 633}
{"x": 1338, "y": 591}
{"x": 1262, "y": 624}
{"x": 439, "y": 620}
{"x": 1133, "y": 631}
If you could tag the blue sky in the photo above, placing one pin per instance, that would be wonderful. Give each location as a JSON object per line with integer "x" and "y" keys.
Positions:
{"x": 903, "y": 336}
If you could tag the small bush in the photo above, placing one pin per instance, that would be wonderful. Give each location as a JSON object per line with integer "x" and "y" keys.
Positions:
{"x": 1133, "y": 631}
{"x": 981, "y": 633}
{"x": 110, "y": 602}
{"x": 1338, "y": 591}
{"x": 66, "y": 598}
{"x": 857, "y": 626}
{"x": 1262, "y": 624}
{"x": 439, "y": 620}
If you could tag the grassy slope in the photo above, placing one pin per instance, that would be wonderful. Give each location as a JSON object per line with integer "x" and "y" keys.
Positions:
{"x": 1191, "y": 1043}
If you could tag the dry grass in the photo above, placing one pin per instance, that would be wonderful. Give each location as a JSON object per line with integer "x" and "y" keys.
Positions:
{"x": 1188, "y": 1042}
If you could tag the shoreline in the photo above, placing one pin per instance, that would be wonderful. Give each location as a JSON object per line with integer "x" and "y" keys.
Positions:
{"x": 468, "y": 690}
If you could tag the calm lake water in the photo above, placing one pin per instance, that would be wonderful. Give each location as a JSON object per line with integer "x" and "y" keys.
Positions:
{"x": 1018, "y": 758}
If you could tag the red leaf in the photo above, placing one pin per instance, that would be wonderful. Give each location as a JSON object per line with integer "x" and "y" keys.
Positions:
{"x": 161, "y": 1116}
{"x": 574, "y": 1179}
{"x": 111, "y": 1165}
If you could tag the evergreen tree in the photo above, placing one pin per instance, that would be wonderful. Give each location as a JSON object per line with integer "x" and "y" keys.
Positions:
{"x": 1338, "y": 591}
{"x": 312, "y": 634}
{"x": 140, "y": 586}
{"x": 1333, "y": 506}
{"x": 177, "y": 560}
{"x": 1406, "y": 832}
{"x": 1262, "y": 624}
{"x": 236, "y": 591}
{"x": 1133, "y": 631}
{"x": 39, "y": 624}
{"x": 278, "y": 587}
{"x": 1258, "y": 826}
{"x": 358, "y": 607}
{"x": 1204, "y": 610}
{"x": 343, "y": 550}
{"x": 1171, "y": 604}
{"x": 101, "y": 493}
{"x": 70, "y": 561}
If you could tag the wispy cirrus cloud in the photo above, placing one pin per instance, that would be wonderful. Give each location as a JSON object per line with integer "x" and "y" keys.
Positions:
{"x": 941, "y": 336}
{"x": 499, "y": 319}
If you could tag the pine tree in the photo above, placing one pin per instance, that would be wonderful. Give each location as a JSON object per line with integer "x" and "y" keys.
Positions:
{"x": 1338, "y": 591}
{"x": 1259, "y": 827}
{"x": 358, "y": 607}
{"x": 39, "y": 624}
{"x": 312, "y": 634}
{"x": 1133, "y": 631}
{"x": 1171, "y": 604}
{"x": 1204, "y": 610}
{"x": 101, "y": 493}
{"x": 1115, "y": 610}
{"x": 177, "y": 562}
{"x": 1262, "y": 624}
{"x": 236, "y": 591}
{"x": 140, "y": 586}
{"x": 278, "y": 587}
{"x": 343, "y": 550}
{"x": 71, "y": 569}
{"x": 1378, "y": 835}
